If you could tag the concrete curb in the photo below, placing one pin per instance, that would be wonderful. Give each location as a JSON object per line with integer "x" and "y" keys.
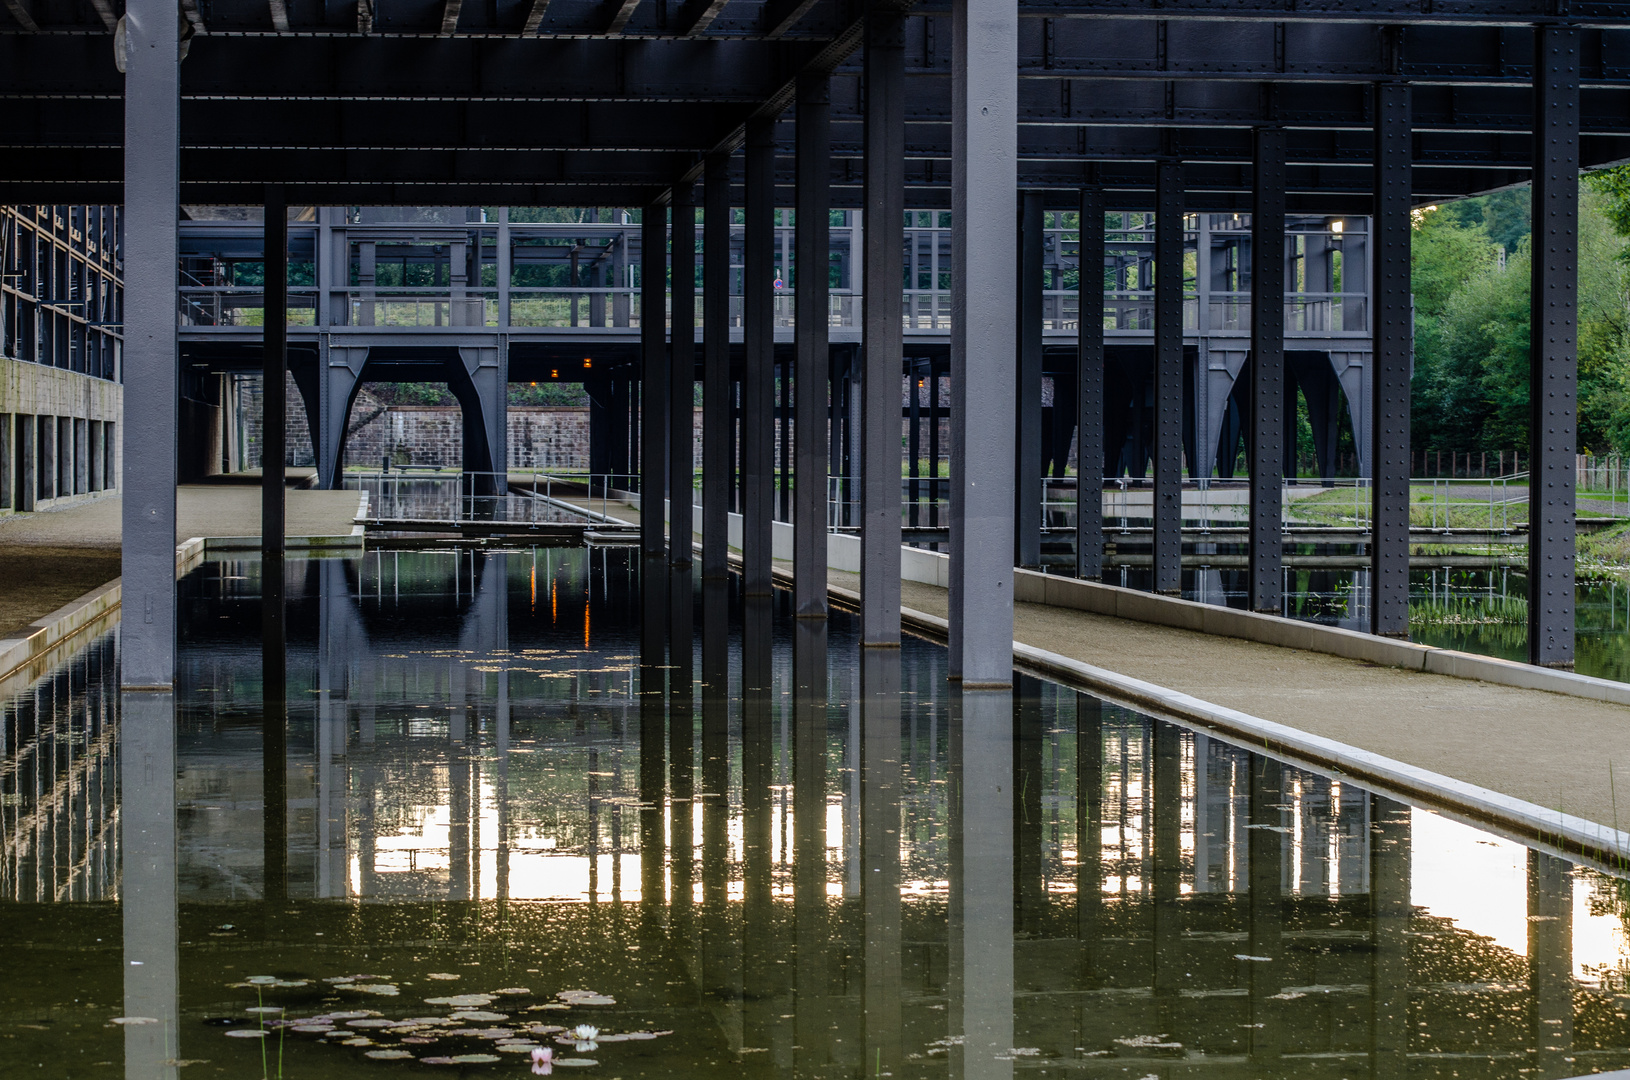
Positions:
{"x": 44, "y": 635}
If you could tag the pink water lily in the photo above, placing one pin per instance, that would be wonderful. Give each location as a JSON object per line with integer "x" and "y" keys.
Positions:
{"x": 542, "y": 1061}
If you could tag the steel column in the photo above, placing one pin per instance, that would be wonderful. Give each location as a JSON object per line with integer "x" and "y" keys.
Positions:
{"x": 653, "y": 376}
{"x": 1268, "y": 398}
{"x": 758, "y": 370}
{"x": 275, "y": 370}
{"x": 885, "y": 193}
{"x": 682, "y": 379}
{"x": 1553, "y": 348}
{"x": 813, "y": 240}
{"x": 151, "y": 390}
{"x": 984, "y": 184}
{"x": 1027, "y": 417}
{"x": 1168, "y": 492}
{"x": 1393, "y": 331}
{"x": 718, "y": 459}
{"x": 1089, "y": 392}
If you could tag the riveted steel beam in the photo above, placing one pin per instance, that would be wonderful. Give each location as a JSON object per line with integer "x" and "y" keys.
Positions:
{"x": 885, "y": 196}
{"x": 653, "y": 377}
{"x": 718, "y": 460}
{"x": 1169, "y": 360}
{"x": 1268, "y": 397}
{"x": 758, "y": 363}
{"x": 1393, "y": 350}
{"x": 1089, "y": 453}
{"x": 810, "y": 382}
{"x": 682, "y": 378}
{"x": 1027, "y": 484}
{"x": 1553, "y": 349}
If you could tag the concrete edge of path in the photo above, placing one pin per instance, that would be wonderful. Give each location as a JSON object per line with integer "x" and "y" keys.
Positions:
{"x": 1574, "y": 838}
{"x": 42, "y": 640}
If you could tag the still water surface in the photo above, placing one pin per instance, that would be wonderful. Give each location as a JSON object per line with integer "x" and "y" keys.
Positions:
{"x": 502, "y": 815}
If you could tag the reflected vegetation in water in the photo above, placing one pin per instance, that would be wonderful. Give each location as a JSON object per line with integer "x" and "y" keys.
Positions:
{"x": 1476, "y": 611}
{"x": 539, "y": 820}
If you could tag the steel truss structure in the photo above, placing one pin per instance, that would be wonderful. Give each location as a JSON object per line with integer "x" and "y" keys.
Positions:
{"x": 1340, "y": 107}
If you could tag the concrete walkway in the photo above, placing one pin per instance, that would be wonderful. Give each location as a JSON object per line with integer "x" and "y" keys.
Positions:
{"x": 1548, "y": 749}
{"x": 53, "y": 556}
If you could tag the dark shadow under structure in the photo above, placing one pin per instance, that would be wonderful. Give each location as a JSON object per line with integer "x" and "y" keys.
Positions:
{"x": 1357, "y": 107}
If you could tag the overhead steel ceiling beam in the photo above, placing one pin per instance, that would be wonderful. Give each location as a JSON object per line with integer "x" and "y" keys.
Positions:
{"x": 780, "y": 16}
{"x": 449, "y": 16}
{"x": 280, "y": 15}
{"x": 424, "y": 68}
{"x": 695, "y": 16}
{"x": 620, "y": 11}
{"x": 23, "y": 12}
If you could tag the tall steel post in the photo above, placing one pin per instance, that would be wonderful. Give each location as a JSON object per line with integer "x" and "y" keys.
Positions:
{"x": 718, "y": 458}
{"x": 758, "y": 368}
{"x": 1553, "y": 348}
{"x": 653, "y": 376}
{"x": 275, "y": 371}
{"x": 885, "y": 202}
{"x": 1268, "y": 398}
{"x": 1089, "y": 392}
{"x": 984, "y": 184}
{"x": 682, "y": 379}
{"x": 151, "y": 381}
{"x": 1027, "y": 416}
{"x": 1393, "y": 332}
{"x": 1168, "y": 493}
{"x": 813, "y": 240}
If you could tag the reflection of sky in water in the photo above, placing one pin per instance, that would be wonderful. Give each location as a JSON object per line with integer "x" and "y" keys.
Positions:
{"x": 459, "y": 751}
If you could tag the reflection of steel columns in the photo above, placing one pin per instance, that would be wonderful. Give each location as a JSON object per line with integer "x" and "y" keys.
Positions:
{"x": 654, "y": 572}
{"x": 981, "y": 903}
{"x": 1390, "y": 914}
{"x": 1550, "y": 963}
{"x": 1266, "y": 868}
{"x": 1089, "y": 832}
{"x": 147, "y": 888}
{"x": 762, "y": 971}
{"x": 811, "y": 1035}
{"x": 880, "y": 855}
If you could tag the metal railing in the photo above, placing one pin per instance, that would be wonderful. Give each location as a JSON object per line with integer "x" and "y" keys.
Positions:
{"x": 530, "y": 497}
{"x": 224, "y": 305}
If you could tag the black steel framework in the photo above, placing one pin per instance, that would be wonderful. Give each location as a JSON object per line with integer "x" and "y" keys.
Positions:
{"x": 1377, "y": 106}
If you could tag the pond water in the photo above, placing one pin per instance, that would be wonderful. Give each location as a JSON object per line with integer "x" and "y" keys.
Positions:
{"x": 495, "y": 813}
{"x": 1482, "y": 611}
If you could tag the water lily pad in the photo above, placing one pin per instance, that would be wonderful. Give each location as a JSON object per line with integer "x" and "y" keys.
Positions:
{"x": 360, "y": 1040}
{"x": 354, "y": 1014}
{"x": 134, "y": 1021}
{"x": 462, "y": 1001}
{"x": 388, "y": 1055}
{"x": 517, "y": 1047}
{"x": 246, "y": 1033}
{"x": 420, "y": 1040}
{"x": 382, "y": 989}
{"x": 513, "y": 991}
{"x": 634, "y": 1036}
{"x": 575, "y": 1061}
{"x": 479, "y": 1015}
{"x": 475, "y": 1059}
{"x": 370, "y": 1023}
{"x": 544, "y": 1029}
{"x": 313, "y": 1029}
{"x": 290, "y": 984}
{"x": 427, "y": 1020}
{"x": 554, "y": 1005}
{"x": 446, "y": 975}
{"x": 265, "y": 1009}
{"x": 261, "y": 980}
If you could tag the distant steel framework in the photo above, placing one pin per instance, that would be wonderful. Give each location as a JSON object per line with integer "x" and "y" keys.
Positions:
{"x": 1001, "y": 113}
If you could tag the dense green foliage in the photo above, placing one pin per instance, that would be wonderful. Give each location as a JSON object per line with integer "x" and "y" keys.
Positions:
{"x": 1471, "y": 276}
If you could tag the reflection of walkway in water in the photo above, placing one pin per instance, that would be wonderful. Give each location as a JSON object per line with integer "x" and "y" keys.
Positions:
{"x": 1499, "y": 737}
